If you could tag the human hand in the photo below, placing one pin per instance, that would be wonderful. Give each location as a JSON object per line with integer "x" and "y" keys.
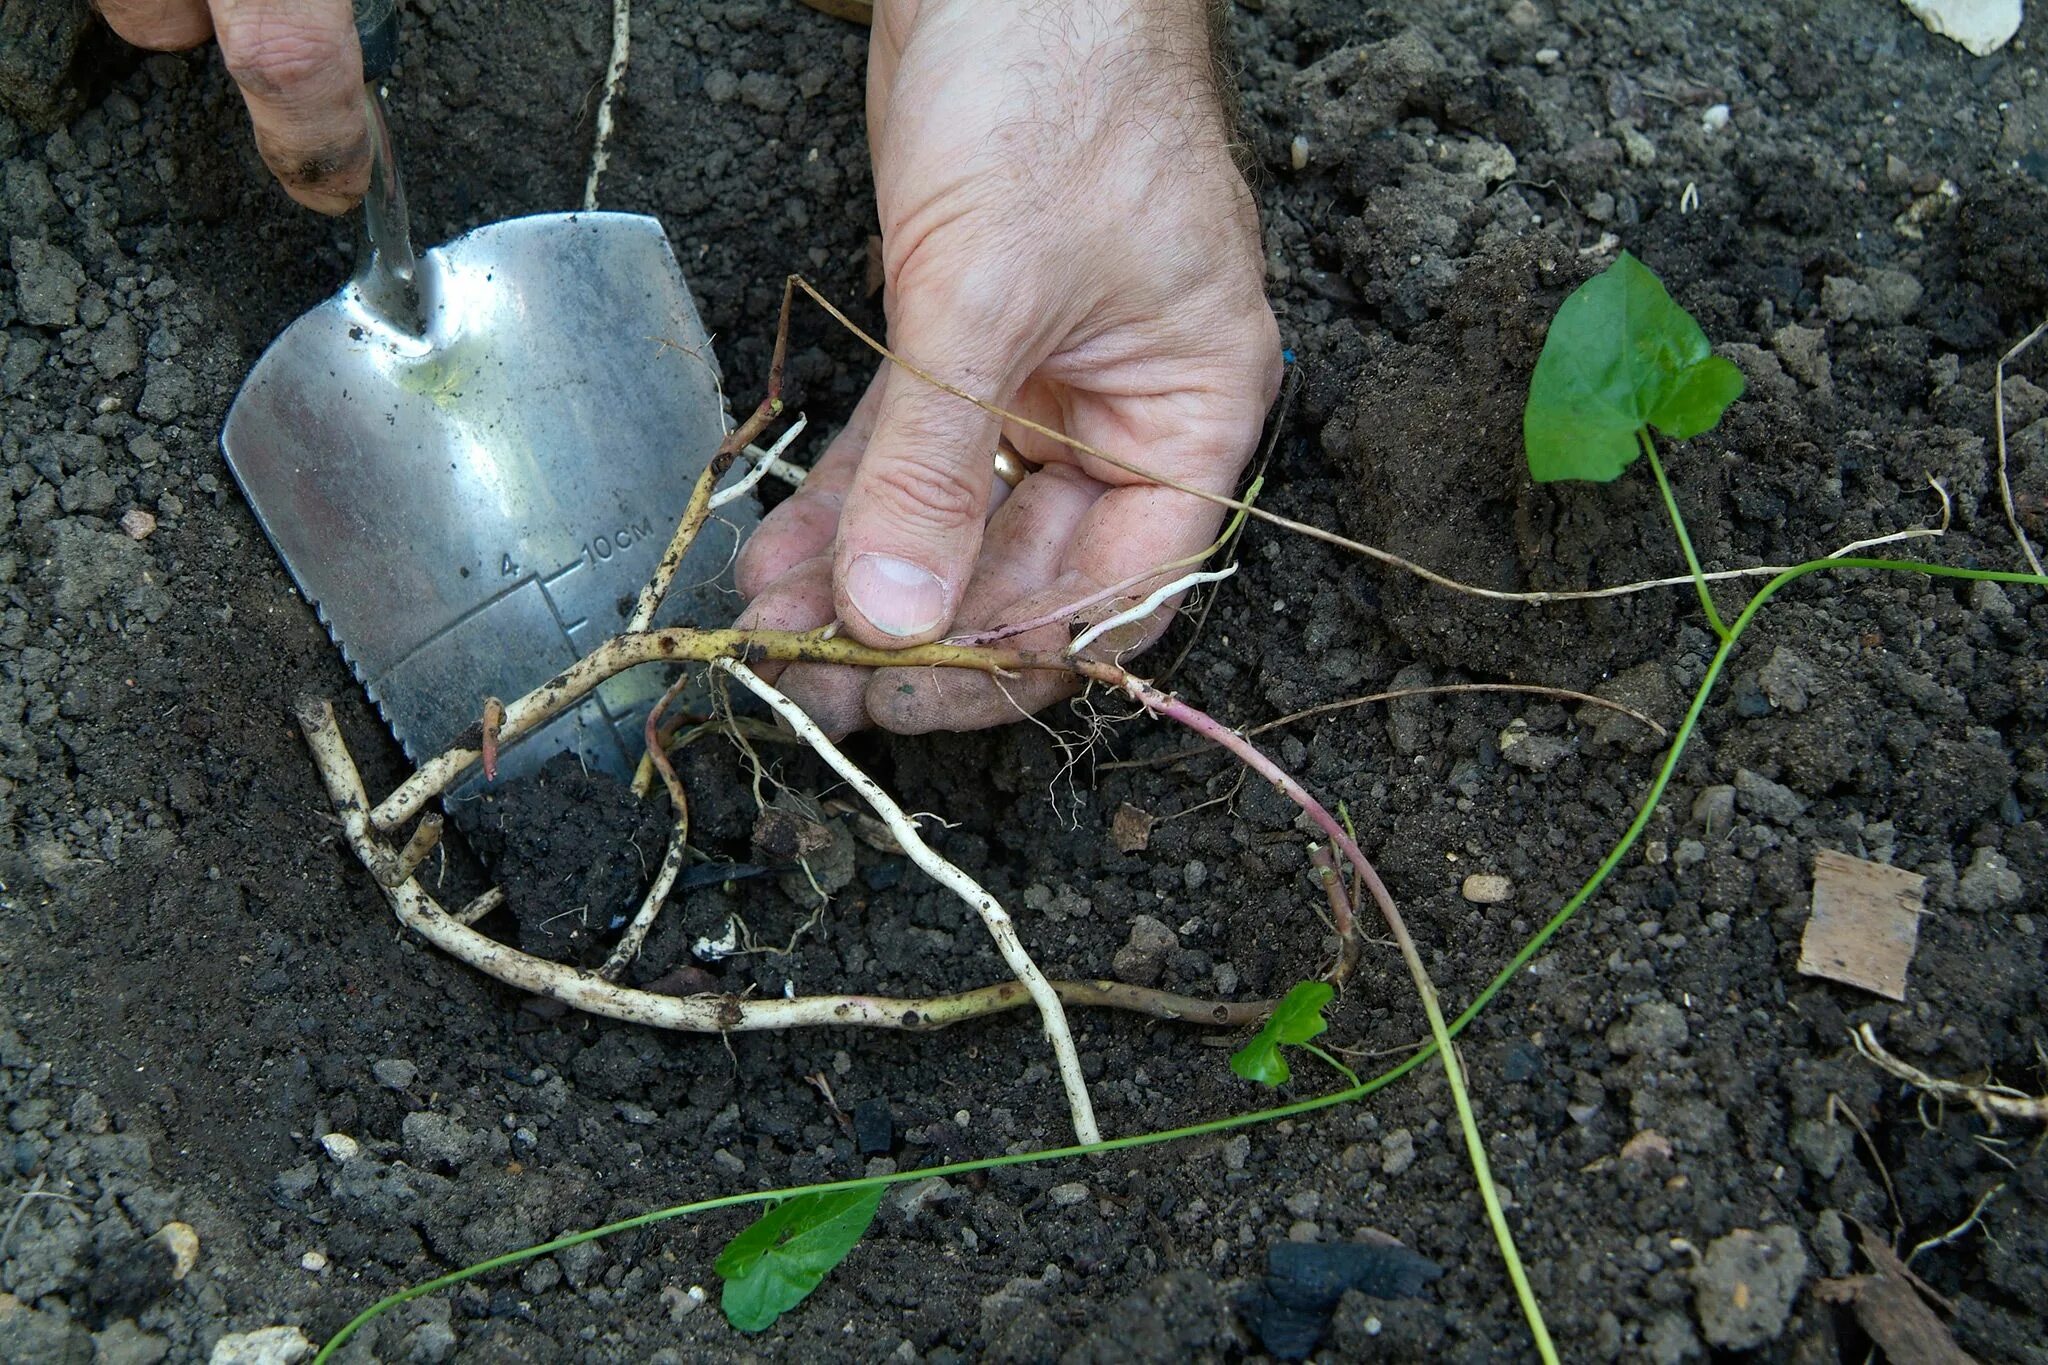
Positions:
{"x": 1064, "y": 232}
{"x": 301, "y": 74}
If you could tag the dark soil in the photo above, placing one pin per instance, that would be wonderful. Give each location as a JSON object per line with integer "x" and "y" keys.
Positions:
{"x": 200, "y": 984}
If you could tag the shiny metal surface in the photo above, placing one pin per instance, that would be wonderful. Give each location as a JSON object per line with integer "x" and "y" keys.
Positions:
{"x": 473, "y": 507}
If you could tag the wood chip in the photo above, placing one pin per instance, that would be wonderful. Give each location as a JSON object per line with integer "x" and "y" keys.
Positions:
{"x": 1889, "y": 1307}
{"x": 1865, "y": 923}
{"x": 1130, "y": 829}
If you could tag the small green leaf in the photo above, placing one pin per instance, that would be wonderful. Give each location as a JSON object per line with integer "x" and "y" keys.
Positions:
{"x": 1620, "y": 356}
{"x": 1296, "y": 1019}
{"x": 778, "y": 1259}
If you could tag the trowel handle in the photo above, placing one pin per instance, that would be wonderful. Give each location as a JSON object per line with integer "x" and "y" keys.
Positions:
{"x": 377, "y": 31}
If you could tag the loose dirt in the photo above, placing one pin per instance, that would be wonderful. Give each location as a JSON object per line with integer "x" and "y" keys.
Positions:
{"x": 199, "y": 984}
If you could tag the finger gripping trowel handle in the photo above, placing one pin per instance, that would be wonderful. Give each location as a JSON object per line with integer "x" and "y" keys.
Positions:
{"x": 377, "y": 31}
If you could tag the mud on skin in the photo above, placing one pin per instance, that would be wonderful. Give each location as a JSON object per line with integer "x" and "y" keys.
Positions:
{"x": 199, "y": 985}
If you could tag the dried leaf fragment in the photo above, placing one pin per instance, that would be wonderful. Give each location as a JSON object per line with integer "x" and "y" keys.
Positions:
{"x": 1130, "y": 829}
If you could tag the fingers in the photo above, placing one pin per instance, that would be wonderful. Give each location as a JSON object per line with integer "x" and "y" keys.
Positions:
{"x": 912, "y": 522}
{"x": 802, "y": 600}
{"x": 301, "y": 74}
{"x": 802, "y": 525}
{"x": 159, "y": 25}
{"x": 1019, "y": 578}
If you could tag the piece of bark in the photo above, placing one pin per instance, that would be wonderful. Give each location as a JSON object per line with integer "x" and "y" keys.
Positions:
{"x": 1865, "y": 923}
{"x": 1889, "y": 1307}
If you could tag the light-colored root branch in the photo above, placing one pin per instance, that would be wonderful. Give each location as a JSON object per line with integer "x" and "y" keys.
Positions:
{"x": 418, "y": 911}
{"x": 997, "y": 920}
{"x": 672, "y": 644}
{"x": 1152, "y": 602}
{"x": 481, "y": 906}
{"x": 2012, "y": 516}
{"x": 614, "y": 78}
{"x": 1992, "y": 1101}
{"x": 628, "y": 946}
{"x": 424, "y": 836}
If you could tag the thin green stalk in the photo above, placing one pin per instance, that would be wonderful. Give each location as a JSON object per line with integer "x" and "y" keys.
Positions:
{"x": 1421, "y": 1055}
{"x": 1692, "y": 561}
{"x": 1475, "y": 1145}
{"x": 1345, "y": 1071}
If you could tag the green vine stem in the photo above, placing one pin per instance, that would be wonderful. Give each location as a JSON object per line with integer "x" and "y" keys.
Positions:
{"x": 1421, "y": 1055}
{"x": 1692, "y": 561}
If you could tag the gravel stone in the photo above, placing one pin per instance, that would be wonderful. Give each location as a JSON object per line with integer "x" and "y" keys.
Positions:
{"x": 1397, "y": 1151}
{"x": 124, "y": 1343}
{"x": 1654, "y": 1028}
{"x": 88, "y": 566}
{"x": 1713, "y": 810}
{"x": 46, "y": 283}
{"x": 395, "y": 1073}
{"x": 1790, "y": 681}
{"x": 1487, "y": 888}
{"x": 1884, "y": 297}
{"x": 1989, "y": 883}
{"x": 1532, "y": 752}
{"x": 265, "y": 1346}
{"x": 1766, "y": 799}
{"x": 1142, "y": 960}
{"x": 1804, "y": 353}
{"x": 1744, "y": 1289}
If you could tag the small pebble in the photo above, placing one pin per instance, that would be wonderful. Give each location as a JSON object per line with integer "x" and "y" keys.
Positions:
{"x": 183, "y": 1244}
{"x": 341, "y": 1147}
{"x": 395, "y": 1073}
{"x": 1715, "y": 118}
{"x": 1548, "y": 56}
{"x": 1297, "y": 153}
{"x": 1488, "y": 888}
{"x": 139, "y": 525}
{"x": 314, "y": 1261}
{"x": 1067, "y": 1195}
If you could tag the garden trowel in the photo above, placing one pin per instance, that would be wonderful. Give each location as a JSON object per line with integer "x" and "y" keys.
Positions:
{"x": 472, "y": 461}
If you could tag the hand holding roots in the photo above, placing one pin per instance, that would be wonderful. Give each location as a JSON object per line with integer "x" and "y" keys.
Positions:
{"x": 369, "y": 829}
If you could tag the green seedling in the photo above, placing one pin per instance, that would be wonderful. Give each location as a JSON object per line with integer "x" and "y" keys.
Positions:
{"x": 778, "y": 1259}
{"x": 1623, "y": 358}
{"x": 1296, "y": 1020}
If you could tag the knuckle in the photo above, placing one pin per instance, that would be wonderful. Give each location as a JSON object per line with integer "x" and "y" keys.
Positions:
{"x": 925, "y": 493}
{"x": 274, "y": 55}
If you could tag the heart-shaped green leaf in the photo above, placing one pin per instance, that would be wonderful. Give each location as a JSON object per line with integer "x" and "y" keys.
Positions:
{"x": 1621, "y": 355}
{"x": 779, "y": 1258}
{"x": 1296, "y": 1019}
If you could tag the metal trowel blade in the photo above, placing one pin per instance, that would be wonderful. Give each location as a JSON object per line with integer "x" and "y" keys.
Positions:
{"x": 473, "y": 509}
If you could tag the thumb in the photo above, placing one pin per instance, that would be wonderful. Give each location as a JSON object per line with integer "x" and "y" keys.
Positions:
{"x": 912, "y": 523}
